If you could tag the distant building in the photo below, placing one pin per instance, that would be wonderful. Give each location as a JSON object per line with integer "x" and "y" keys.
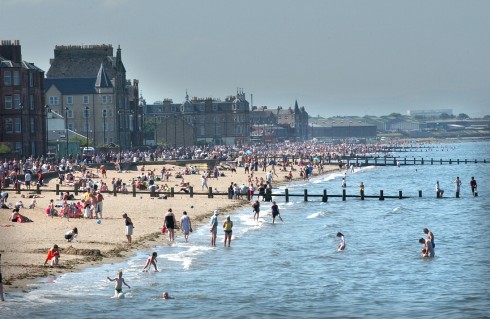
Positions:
{"x": 88, "y": 84}
{"x": 429, "y": 113}
{"x": 199, "y": 120}
{"x": 22, "y": 114}
{"x": 341, "y": 128}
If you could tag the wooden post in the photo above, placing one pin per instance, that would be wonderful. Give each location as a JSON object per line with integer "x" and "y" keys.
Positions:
{"x": 210, "y": 192}
{"x": 38, "y": 188}
{"x": 385, "y": 161}
{"x": 381, "y": 196}
{"x": 75, "y": 188}
{"x": 422, "y": 161}
{"x": 476, "y": 161}
{"x": 400, "y": 195}
{"x": 248, "y": 194}
{"x": 375, "y": 161}
{"x": 343, "y": 194}
{"x": 286, "y": 195}
{"x": 306, "y": 195}
{"x": 134, "y": 190}
{"x": 362, "y": 194}
{"x": 431, "y": 161}
{"x": 420, "y": 193}
{"x": 172, "y": 192}
{"x": 325, "y": 197}
{"x": 450, "y": 161}
{"x": 405, "y": 161}
{"x": 57, "y": 189}
{"x": 440, "y": 161}
{"x": 152, "y": 192}
{"x": 458, "y": 161}
{"x": 17, "y": 188}
{"x": 465, "y": 161}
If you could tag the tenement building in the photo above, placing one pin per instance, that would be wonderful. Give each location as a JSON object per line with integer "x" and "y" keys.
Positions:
{"x": 22, "y": 124}
{"x": 87, "y": 84}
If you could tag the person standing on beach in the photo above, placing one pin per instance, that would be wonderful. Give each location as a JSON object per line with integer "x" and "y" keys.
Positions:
{"x": 119, "y": 282}
{"x": 213, "y": 228}
{"x": 227, "y": 226}
{"x": 473, "y": 186}
{"x": 129, "y": 227}
{"x": 152, "y": 260}
{"x": 341, "y": 242}
{"x": 185, "y": 224}
{"x": 256, "y": 209}
{"x": 170, "y": 224}
{"x": 275, "y": 212}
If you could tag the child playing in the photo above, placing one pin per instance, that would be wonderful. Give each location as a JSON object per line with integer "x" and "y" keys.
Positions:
{"x": 118, "y": 287}
{"x": 53, "y": 255}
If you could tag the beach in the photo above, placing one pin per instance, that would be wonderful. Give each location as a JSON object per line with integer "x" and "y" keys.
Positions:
{"x": 24, "y": 245}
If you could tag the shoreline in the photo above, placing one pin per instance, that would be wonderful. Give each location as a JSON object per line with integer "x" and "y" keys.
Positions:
{"x": 22, "y": 268}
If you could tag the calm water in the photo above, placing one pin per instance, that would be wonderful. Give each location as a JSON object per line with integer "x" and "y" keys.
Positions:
{"x": 293, "y": 269}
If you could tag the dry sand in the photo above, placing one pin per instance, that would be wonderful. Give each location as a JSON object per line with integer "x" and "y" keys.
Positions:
{"x": 23, "y": 246}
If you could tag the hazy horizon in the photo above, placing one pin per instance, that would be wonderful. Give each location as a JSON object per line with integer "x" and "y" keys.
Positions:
{"x": 333, "y": 57}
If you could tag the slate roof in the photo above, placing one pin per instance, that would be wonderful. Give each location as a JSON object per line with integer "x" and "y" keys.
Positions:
{"x": 102, "y": 80}
{"x": 71, "y": 85}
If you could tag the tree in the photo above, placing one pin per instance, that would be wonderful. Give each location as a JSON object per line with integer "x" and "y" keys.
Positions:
{"x": 444, "y": 116}
{"x": 463, "y": 116}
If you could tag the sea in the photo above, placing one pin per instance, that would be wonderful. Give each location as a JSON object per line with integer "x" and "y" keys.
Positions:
{"x": 292, "y": 269}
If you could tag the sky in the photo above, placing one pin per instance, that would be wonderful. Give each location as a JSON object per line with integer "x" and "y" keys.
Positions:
{"x": 334, "y": 57}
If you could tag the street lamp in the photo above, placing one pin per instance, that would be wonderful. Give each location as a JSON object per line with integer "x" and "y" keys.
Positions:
{"x": 66, "y": 131}
{"x": 21, "y": 106}
{"x": 175, "y": 130}
{"x": 119, "y": 133}
{"x": 48, "y": 110}
{"x": 86, "y": 125}
{"x": 104, "y": 114}
{"x": 155, "y": 129}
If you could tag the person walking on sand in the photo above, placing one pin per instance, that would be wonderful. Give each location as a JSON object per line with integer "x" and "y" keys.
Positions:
{"x": 119, "y": 282}
{"x": 473, "y": 186}
{"x": 275, "y": 212}
{"x": 256, "y": 209}
{"x": 341, "y": 242}
{"x": 213, "y": 228}
{"x": 152, "y": 260}
{"x": 129, "y": 227}
{"x": 170, "y": 224}
{"x": 227, "y": 226}
{"x": 185, "y": 224}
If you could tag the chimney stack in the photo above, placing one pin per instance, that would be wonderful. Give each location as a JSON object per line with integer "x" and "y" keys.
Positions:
{"x": 11, "y": 50}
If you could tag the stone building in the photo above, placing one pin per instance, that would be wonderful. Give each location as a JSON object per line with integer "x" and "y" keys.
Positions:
{"x": 88, "y": 85}
{"x": 199, "y": 121}
{"x": 22, "y": 114}
{"x": 278, "y": 124}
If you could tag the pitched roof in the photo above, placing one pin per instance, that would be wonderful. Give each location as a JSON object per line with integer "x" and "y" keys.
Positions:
{"x": 71, "y": 85}
{"x": 102, "y": 80}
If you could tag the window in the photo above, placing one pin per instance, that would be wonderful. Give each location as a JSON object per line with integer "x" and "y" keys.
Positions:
{"x": 53, "y": 100}
{"x": 104, "y": 99}
{"x": 7, "y": 101}
{"x": 31, "y": 102}
{"x": 33, "y": 125}
{"x": 70, "y": 126}
{"x": 109, "y": 99}
{"x": 9, "y": 126}
{"x": 31, "y": 80}
{"x": 69, "y": 99}
{"x": 86, "y": 99}
{"x": 69, "y": 114}
{"x": 172, "y": 108}
{"x": 17, "y": 126}
{"x": 17, "y": 101}
{"x": 110, "y": 113}
{"x": 16, "y": 78}
{"x": 215, "y": 107}
{"x": 86, "y": 113}
{"x": 202, "y": 107}
{"x": 7, "y": 78}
